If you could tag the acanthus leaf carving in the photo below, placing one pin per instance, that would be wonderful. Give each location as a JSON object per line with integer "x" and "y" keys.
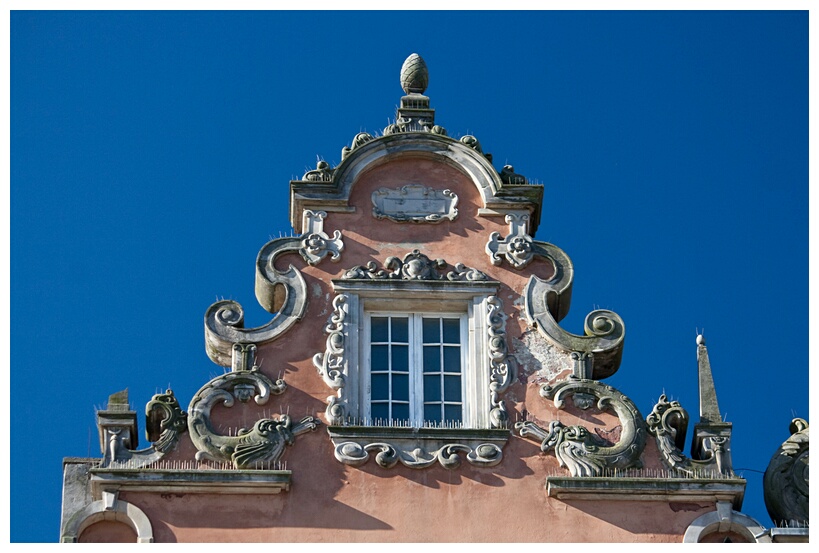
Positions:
{"x": 579, "y": 450}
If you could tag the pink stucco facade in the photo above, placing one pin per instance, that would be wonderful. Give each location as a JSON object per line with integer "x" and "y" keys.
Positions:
{"x": 328, "y": 500}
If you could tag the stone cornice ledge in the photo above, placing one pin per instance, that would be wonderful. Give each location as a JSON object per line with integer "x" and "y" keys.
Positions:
{"x": 647, "y": 489}
{"x": 418, "y": 447}
{"x": 233, "y": 482}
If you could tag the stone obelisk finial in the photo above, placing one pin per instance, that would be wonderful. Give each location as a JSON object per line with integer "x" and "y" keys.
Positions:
{"x": 712, "y": 436}
{"x": 709, "y": 408}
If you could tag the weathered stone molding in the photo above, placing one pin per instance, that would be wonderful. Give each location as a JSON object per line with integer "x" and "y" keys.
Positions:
{"x": 281, "y": 292}
{"x": 417, "y": 448}
{"x": 368, "y": 152}
{"x": 205, "y": 481}
{"x": 725, "y": 519}
{"x": 263, "y": 443}
{"x": 786, "y": 479}
{"x": 627, "y": 487}
{"x": 575, "y": 447}
{"x": 415, "y": 203}
{"x": 110, "y": 508}
{"x": 668, "y": 423}
{"x": 600, "y": 351}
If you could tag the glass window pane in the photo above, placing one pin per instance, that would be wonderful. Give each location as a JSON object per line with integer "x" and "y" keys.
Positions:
{"x": 400, "y": 387}
{"x": 400, "y": 412}
{"x": 452, "y": 412}
{"x": 380, "y": 386}
{"x": 378, "y": 358}
{"x": 432, "y": 359}
{"x": 400, "y": 358}
{"x": 399, "y": 329}
{"x": 432, "y": 331}
{"x": 452, "y": 359}
{"x": 378, "y": 329}
{"x": 452, "y": 388}
{"x": 379, "y": 411}
{"x": 432, "y": 413}
{"x": 432, "y": 388}
{"x": 452, "y": 331}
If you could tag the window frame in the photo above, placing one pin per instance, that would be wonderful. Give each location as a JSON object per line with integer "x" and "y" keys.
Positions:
{"x": 415, "y": 342}
{"x": 470, "y": 298}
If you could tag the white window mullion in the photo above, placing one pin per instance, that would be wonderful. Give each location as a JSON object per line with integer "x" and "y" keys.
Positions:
{"x": 416, "y": 362}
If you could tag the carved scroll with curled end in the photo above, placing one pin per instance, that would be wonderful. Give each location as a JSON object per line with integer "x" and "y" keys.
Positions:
{"x": 601, "y": 349}
{"x": 281, "y": 292}
{"x": 263, "y": 443}
{"x": 576, "y": 448}
{"x": 668, "y": 423}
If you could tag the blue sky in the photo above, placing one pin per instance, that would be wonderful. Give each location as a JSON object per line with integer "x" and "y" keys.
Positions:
{"x": 151, "y": 154}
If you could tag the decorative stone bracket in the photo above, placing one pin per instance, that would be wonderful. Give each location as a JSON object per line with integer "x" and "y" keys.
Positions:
{"x": 264, "y": 443}
{"x": 281, "y": 292}
{"x": 575, "y": 447}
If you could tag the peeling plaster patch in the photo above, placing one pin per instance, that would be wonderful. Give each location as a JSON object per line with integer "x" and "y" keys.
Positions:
{"x": 537, "y": 360}
{"x": 611, "y": 437}
{"x": 678, "y": 506}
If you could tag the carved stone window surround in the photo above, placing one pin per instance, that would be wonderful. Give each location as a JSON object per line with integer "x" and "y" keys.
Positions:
{"x": 416, "y": 447}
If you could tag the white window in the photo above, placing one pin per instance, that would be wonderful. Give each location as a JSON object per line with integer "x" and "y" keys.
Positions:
{"x": 417, "y": 361}
{"x": 410, "y": 354}
{"x": 415, "y": 366}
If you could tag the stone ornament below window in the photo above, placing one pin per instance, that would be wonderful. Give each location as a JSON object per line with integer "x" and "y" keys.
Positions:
{"x": 415, "y": 203}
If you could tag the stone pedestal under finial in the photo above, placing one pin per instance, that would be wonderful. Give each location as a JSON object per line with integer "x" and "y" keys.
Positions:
{"x": 414, "y": 113}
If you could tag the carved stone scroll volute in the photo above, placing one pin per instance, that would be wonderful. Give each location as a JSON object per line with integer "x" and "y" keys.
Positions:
{"x": 668, "y": 423}
{"x": 576, "y": 448}
{"x": 281, "y": 292}
{"x": 264, "y": 442}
